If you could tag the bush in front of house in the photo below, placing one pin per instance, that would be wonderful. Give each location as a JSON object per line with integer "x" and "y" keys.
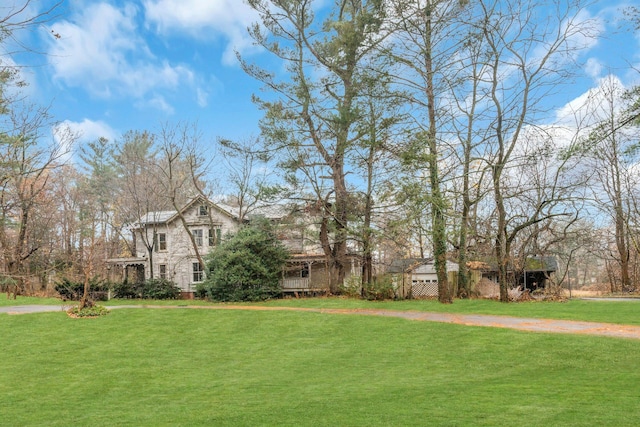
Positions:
{"x": 160, "y": 289}
{"x": 247, "y": 266}
{"x": 70, "y": 290}
{"x": 381, "y": 288}
{"x": 125, "y": 290}
{"x": 352, "y": 287}
{"x": 149, "y": 289}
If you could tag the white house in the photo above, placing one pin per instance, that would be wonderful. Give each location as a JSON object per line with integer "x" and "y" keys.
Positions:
{"x": 164, "y": 249}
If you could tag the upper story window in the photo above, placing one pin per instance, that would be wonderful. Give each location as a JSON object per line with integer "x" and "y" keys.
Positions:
{"x": 203, "y": 210}
{"x": 160, "y": 241}
{"x": 197, "y": 236}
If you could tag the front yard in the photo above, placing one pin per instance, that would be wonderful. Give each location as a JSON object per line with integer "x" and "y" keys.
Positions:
{"x": 210, "y": 367}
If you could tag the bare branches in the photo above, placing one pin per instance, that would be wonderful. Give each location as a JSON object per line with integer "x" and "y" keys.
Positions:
{"x": 20, "y": 17}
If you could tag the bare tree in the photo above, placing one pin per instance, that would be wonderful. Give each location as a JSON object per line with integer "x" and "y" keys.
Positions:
{"x": 613, "y": 158}
{"x": 249, "y": 172}
{"x": 179, "y": 171}
{"x": 526, "y": 61}
{"x": 138, "y": 193}
{"x": 26, "y": 160}
{"x": 16, "y": 17}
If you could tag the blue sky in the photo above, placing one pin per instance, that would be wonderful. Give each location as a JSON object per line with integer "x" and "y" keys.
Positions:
{"x": 133, "y": 65}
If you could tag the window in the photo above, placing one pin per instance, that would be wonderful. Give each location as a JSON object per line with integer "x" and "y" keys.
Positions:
{"x": 197, "y": 236}
{"x": 162, "y": 271}
{"x": 162, "y": 241}
{"x": 198, "y": 272}
{"x": 215, "y": 236}
{"x": 203, "y": 210}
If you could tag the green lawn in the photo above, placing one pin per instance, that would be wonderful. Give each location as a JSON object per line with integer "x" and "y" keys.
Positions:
{"x": 20, "y": 300}
{"x": 622, "y": 312}
{"x": 209, "y": 367}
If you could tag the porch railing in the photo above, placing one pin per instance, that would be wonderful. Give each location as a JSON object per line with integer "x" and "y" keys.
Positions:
{"x": 296, "y": 284}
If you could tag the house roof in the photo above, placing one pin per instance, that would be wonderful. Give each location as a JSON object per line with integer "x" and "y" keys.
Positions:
{"x": 407, "y": 264}
{"x": 203, "y": 200}
{"x": 541, "y": 263}
{"x": 271, "y": 211}
{"x": 532, "y": 264}
{"x": 266, "y": 211}
{"x": 156, "y": 217}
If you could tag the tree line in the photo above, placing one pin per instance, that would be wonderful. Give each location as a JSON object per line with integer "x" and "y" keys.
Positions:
{"x": 414, "y": 128}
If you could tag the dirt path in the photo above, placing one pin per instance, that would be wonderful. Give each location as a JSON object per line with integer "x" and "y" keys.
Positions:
{"x": 519, "y": 323}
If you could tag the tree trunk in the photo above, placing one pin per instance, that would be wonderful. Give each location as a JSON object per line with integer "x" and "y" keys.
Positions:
{"x": 437, "y": 201}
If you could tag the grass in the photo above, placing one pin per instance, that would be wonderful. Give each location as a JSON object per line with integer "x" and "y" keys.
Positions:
{"x": 621, "y": 312}
{"x": 209, "y": 367}
{"x": 20, "y": 300}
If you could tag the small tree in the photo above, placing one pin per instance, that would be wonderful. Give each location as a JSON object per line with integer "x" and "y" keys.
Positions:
{"x": 247, "y": 266}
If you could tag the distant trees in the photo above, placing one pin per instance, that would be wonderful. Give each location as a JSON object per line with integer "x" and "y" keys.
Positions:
{"x": 411, "y": 128}
{"x": 612, "y": 154}
{"x": 28, "y": 158}
{"x": 28, "y": 152}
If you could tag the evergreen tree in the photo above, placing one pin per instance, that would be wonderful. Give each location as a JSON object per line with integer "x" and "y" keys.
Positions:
{"x": 247, "y": 266}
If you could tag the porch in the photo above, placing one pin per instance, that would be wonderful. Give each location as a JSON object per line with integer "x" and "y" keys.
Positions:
{"x": 301, "y": 285}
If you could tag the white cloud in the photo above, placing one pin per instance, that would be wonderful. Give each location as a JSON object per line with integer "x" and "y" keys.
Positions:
{"x": 589, "y": 108}
{"x": 89, "y": 130}
{"x": 158, "y": 102}
{"x": 228, "y": 19}
{"x": 202, "y": 97}
{"x": 101, "y": 51}
{"x": 68, "y": 134}
{"x": 593, "y": 68}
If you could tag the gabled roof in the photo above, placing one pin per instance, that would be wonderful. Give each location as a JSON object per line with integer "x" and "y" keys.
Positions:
{"x": 271, "y": 211}
{"x": 199, "y": 200}
{"x": 162, "y": 217}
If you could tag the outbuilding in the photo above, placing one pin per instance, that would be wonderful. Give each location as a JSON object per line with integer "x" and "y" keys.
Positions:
{"x": 417, "y": 278}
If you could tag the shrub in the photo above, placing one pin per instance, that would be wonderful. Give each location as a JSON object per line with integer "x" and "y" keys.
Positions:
{"x": 247, "y": 266}
{"x": 160, "y": 289}
{"x": 125, "y": 290}
{"x": 73, "y": 291}
{"x": 381, "y": 288}
{"x": 93, "y": 311}
{"x": 352, "y": 287}
{"x": 149, "y": 289}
